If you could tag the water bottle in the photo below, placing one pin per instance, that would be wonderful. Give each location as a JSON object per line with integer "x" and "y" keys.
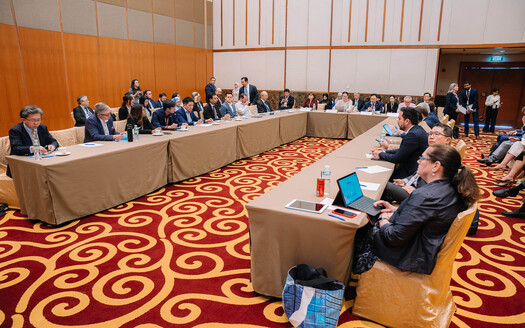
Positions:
{"x": 314, "y": 106}
{"x": 38, "y": 155}
{"x": 136, "y": 133}
{"x": 326, "y": 174}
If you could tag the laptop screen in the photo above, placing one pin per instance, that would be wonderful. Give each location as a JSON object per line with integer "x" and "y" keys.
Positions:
{"x": 350, "y": 188}
{"x": 388, "y": 130}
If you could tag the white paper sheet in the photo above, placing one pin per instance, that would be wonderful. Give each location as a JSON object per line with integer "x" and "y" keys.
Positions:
{"x": 373, "y": 169}
{"x": 203, "y": 124}
{"x": 392, "y": 114}
{"x": 92, "y": 144}
{"x": 369, "y": 186}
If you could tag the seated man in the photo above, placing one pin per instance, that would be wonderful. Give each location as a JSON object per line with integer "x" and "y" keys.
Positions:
{"x": 263, "y": 106}
{"x": 99, "y": 127}
{"x": 399, "y": 190}
{"x": 424, "y": 109}
{"x": 185, "y": 114}
{"x": 286, "y": 101}
{"x": 165, "y": 118}
{"x": 211, "y": 111}
{"x": 412, "y": 146}
{"x": 407, "y": 102}
{"x": 162, "y": 98}
{"x": 82, "y": 112}
{"x": 228, "y": 107}
{"x": 373, "y": 104}
{"x": 30, "y": 135}
{"x": 242, "y": 106}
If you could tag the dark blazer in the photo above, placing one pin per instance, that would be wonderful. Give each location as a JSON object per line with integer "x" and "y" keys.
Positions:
{"x": 80, "y": 115}
{"x": 418, "y": 227}
{"x": 209, "y": 90}
{"x": 157, "y": 104}
{"x": 211, "y": 112}
{"x": 261, "y": 108}
{"x": 145, "y": 128}
{"x": 412, "y": 146}
{"x": 289, "y": 105}
{"x": 431, "y": 120}
{"x": 390, "y": 108}
{"x": 378, "y": 106}
{"x": 253, "y": 93}
{"x": 158, "y": 119}
{"x": 360, "y": 104}
{"x": 226, "y": 109}
{"x": 181, "y": 116}
{"x": 451, "y": 104}
{"x": 328, "y": 103}
{"x": 472, "y": 99}
{"x": 95, "y": 132}
{"x": 21, "y": 141}
{"x": 123, "y": 113}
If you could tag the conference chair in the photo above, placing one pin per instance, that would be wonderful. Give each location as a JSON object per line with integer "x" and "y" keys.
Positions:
{"x": 425, "y": 126}
{"x": 65, "y": 138}
{"x": 252, "y": 109}
{"x": 115, "y": 111}
{"x": 445, "y": 119}
{"x": 201, "y": 114}
{"x": 73, "y": 118}
{"x": 451, "y": 123}
{"x": 7, "y": 186}
{"x": 79, "y": 134}
{"x": 396, "y": 298}
{"x": 120, "y": 126}
{"x": 461, "y": 147}
{"x": 321, "y": 107}
{"x": 440, "y": 113}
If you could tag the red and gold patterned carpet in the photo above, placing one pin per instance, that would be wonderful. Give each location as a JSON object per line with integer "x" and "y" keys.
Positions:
{"x": 179, "y": 257}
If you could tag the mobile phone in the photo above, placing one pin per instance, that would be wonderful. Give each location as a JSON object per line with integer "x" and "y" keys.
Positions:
{"x": 344, "y": 213}
{"x": 378, "y": 140}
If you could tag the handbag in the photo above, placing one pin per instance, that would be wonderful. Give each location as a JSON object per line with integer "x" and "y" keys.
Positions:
{"x": 310, "y": 299}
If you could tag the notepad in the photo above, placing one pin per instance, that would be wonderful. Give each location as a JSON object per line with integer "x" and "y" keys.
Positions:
{"x": 374, "y": 169}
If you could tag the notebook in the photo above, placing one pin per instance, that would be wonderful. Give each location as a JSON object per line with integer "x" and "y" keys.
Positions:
{"x": 350, "y": 195}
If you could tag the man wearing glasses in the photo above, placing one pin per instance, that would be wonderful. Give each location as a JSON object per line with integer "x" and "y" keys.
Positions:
{"x": 28, "y": 135}
{"x": 99, "y": 127}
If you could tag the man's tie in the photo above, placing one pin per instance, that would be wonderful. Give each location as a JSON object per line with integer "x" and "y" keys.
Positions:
{"x": 267, "y": 108}
{"x": 87, "y": 112}
{"x": 34, "y": 136}
{"x": 468, "y": 96}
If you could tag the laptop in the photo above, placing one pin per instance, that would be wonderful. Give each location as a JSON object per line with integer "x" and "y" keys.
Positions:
{"x": 350, "y": 195}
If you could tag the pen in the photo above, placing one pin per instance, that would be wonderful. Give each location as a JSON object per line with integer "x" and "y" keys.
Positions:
{"x": 361, "y": 167}
{"x": 47, "y": 156}
{"x": 89, "y": 144}
{"x": 362, "y": 185}
{"x": 336, "y": 217}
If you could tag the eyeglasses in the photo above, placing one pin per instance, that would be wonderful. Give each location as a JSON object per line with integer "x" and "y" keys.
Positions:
{"x": 435, "y": 134}
{"x": 105, "y": 115}
{"x": 34, "y": 120}
{"x": 424, "y": 158}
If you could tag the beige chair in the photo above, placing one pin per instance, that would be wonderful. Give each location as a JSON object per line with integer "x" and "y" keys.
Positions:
{"x": 115, "y": 111}
{"x": 252, "y": 109}
{"x": 321, "y": 107}
{"x": 201, "y": 115}
{"x": 451, "y": 123}
{"x": 461, "y": 147}
{"x": 73, "y": 118}
{"x": 79, "y": 134}
{"x": 445, "y": 119}
{"x": 65, "y": 138}
{"x": 396, "y": 298}
{"x": 425, "y": 126}
{"x": 440, "y": 114}
{"x": 120, "y": 126}
{"x": 7, "y": 186}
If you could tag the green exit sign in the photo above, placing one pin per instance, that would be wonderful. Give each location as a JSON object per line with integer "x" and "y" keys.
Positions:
{"x": 496, "y": 58}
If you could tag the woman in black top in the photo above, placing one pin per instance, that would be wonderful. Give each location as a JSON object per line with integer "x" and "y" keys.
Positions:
{"x": 143, "y": 100}
{"x": 326, "y": 101}
{"x": 451, "y": 107}
{"x": 138, "y": 117}
{"x": 391, "y": 107}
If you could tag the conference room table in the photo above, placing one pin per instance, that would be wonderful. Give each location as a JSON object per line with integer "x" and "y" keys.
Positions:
{"x": 282, "y": 238}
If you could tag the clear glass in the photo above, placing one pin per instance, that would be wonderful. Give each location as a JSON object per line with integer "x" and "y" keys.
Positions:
{"x": 37, "y": 151}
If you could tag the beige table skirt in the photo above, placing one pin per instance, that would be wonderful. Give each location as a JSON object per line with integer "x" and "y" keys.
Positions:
{"x": 359, "y": 123}
{"x": 257, "y": 135}
{"x": 327, "y": 125}
{"x": 292, "y": 126}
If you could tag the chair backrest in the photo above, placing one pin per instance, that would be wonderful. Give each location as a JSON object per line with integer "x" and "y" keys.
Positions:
{"x": 201, "y": 115}
{"x": 451, "y": 123}
{"x": 425, "y": 126}
{"x": 65, "y": 138}
{"x": 461, "y": 147}
{"x": 5, "y": 149}
{"x": 445, "y": 119}
{"x": 440, "y": 114}
{"x": 79, "y": 134}
{"x": 115, "y": 111}
{"x": 321, "y": 107}
{"x": 73, "y": 118}
{"x": 252, "y": 109}
{"x": 120, "y": 126}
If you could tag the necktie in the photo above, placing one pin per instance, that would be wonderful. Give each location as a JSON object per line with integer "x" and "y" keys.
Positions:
{"x": 188, "y": 117}
{"x": 214, "y": 113}
{"x": 87, "y": 112}
{"x": 34, "y": 136}
{"x": 468, "y": 96}
{"x": 105, "y": 127}
{"x": 247, "y": 94}
{"x": 267, "y": 108}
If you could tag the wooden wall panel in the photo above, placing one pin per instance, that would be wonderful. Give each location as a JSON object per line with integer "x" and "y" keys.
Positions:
{"x": 209, "y": 67}
{"x": 11, "y": 79}
{"x": 165, "y": 70}
{"x": 201, "y": 78}
{"x": 185, "y": 70}
{"x": 115, "y": 69}
{"x": 83, "y": 70}
{"x": 45, "y": 73}
{"x": 142, "y": 58}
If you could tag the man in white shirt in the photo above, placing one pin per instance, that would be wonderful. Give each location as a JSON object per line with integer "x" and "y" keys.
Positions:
{"x": 242, "y": 106}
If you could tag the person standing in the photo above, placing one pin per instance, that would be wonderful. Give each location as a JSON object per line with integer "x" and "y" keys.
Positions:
{"x": 493, "y": 102}
{"x": 250, "y": 91}
{"x": 469, "y": 100}
{"x": 210, "y": 88}
{"x": 451, "y": 106}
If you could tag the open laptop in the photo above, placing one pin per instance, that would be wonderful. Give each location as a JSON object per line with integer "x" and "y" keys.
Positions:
{"x": 350, "y": 195}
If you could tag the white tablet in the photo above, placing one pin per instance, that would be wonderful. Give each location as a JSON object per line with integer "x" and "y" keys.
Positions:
{"x": 303, "y": 205}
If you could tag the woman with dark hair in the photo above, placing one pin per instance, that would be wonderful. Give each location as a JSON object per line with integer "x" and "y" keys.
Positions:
{"x": 138, "y": 117}
{"x": 135, "y": 90}
{"x": 125, "y": 109}
{"x": 391, "y": 106}
{"x": 143, "y": 100}
{"x": 493, "y": 102}
{"x": 410, "y": 236}
{"x": 310, "y": 101}
{"x": 451, "y": 107}
{"x": 326, "y": 101}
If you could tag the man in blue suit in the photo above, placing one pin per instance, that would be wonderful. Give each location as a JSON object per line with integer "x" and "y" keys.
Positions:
{"x": 373, "y": 104}
{"x": 249, "y": 90}
{"x": 210, "y": 88}
{"x": 412, "y": 146}
{"x": 99, "y": 127}
{"x": 28, "y": 134}
{"x": 469, "y": 100}
{"x": 162, "y": 98}
{"x": 165, "y": 118}
{"x": 185, "y": 114}
{"x": 228, "y": 107}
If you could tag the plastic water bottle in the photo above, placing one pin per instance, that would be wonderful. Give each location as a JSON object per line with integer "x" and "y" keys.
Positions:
{"x": 136, "y": 133}
{"x": 326, "y": 174}
{"x": 38, "y": 155}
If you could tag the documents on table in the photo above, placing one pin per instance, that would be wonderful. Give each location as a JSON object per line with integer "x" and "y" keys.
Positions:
{"x": 204, "y": 124}
{"x": 369, "y": 186}
{"x": 331, "y": 111}
{"x": 373, "y": 169}
{"x": 91, "y": 144}
{"x": 392, "y": 114}
{"x": 462, "y": 109}
{"x": 305, "y": 109}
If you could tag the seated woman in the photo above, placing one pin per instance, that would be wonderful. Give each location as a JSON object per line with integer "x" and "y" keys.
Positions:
{"x": 144, "y": 101}
{"x": 310, "y": 101}
{"x": 138, "y": 117}
{"x": 326, "y": 101}
{"x": 411, "y": 237}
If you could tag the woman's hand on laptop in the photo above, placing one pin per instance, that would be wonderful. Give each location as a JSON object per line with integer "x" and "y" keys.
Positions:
{"x": 388, "y": 208}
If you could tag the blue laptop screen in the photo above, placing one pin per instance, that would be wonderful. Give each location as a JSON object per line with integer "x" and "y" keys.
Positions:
{"x": 350, "y": 188}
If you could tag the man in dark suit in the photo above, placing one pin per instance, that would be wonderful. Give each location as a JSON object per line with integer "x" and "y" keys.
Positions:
{"x": 151, "y": 102}
{"x": 286, "y": 101}
{"x": 373, "y": 104}
{"x": 263, "y": 106}
{"x": 99, "y": 127}
{"x": 220, "y": 99}
{"x": 185, "y": 114}
{"x": 162, "y": 98}
{"x": 210, "y": 88}
{"x": 165, "y": 118}
{"x": 249, "y": 90}
{"x": 357, "y": 102}
{"x": 82, "y": 112}
{"x": 412, "y": 146}
{"x": 211, "y": 111}
{"x": 29, "y": 135}
{"x": 469, "y": 100}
